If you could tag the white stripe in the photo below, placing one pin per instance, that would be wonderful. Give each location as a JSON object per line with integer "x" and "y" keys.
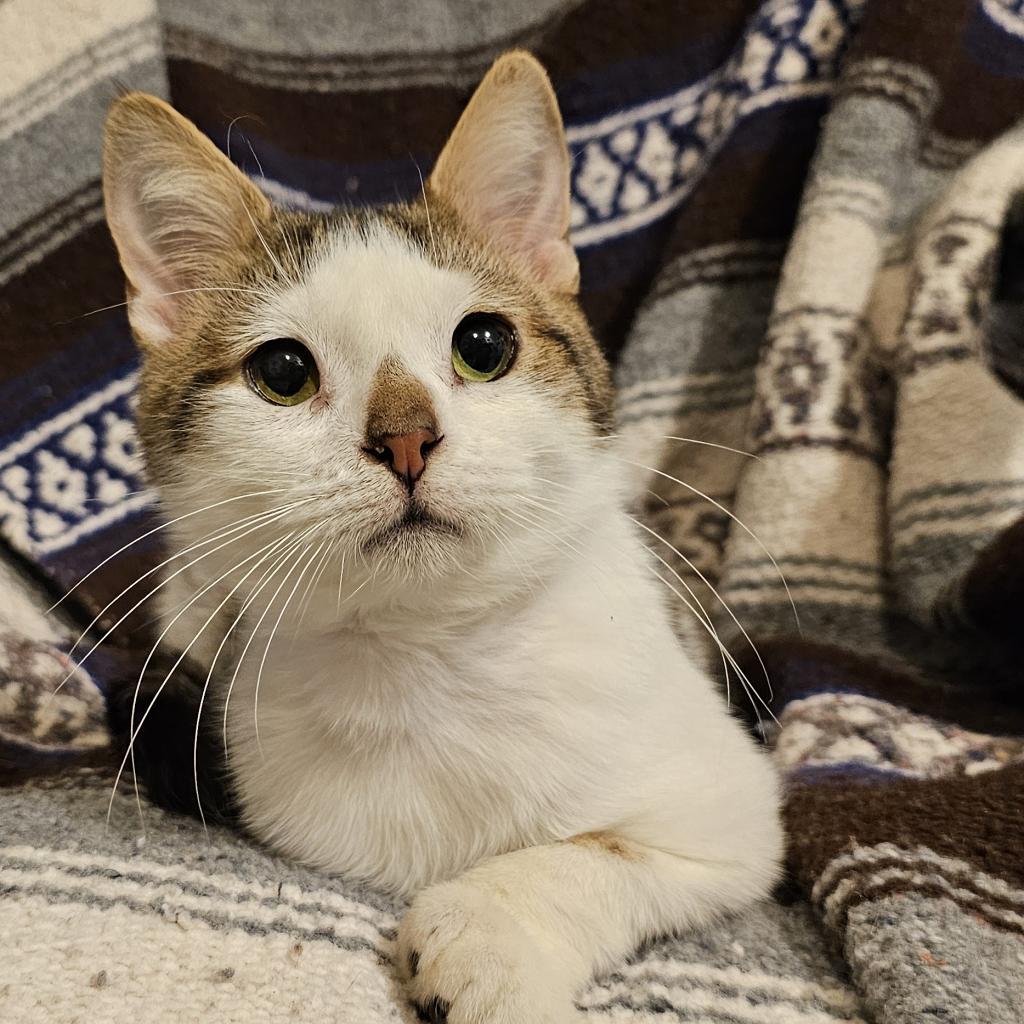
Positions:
{"x": 736, "y": 977}
{"x": 55, "y": 883}
{"x": 74, "y": 219}
{"x": 700, "y": 1000}
{"x": 865, "y": 886}
{"x": 226, "y": 884}
{"x": 111, "y": 57}
{"x": 680, "y": 382}
{"x": 671, "y": 405}
{"x": 294, "y": 197}
{"x": 92, "y": 524}
{"x": 988, "y": 522}
{"x": 34, "y": 438}
{"x": 644, "y": 112}
{"x": 981, "y": 492}
{"x": 1008, "y": 20}
{"x": 865, "y": 856}
{"x": 813, "y": 593}
{"x": 40, "y": 35}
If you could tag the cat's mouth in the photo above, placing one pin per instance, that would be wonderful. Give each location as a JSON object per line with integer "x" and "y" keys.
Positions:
{"x": 415, "y": 522}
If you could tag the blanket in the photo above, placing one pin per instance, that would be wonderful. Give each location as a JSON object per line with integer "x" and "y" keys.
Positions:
{"x": 800, "y": 226}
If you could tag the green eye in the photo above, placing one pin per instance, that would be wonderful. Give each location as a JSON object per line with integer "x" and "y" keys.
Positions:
{"x": 482, "y": 347}
{"x": 283, "y": 372}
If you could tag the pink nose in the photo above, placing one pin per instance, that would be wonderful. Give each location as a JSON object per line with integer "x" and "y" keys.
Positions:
{"x": 406, "y": 454}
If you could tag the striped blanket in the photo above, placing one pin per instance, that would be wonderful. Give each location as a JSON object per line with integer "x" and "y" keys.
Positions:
{"x": 800, "y": 226}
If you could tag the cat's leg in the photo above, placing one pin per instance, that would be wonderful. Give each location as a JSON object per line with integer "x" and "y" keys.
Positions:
{"x": 515, "y": 938}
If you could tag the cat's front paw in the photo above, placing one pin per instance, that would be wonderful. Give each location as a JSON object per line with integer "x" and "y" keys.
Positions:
{"x": 466, "y": 959}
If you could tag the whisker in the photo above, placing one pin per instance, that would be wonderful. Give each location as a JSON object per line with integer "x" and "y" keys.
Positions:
{"x": 426, "y": 208}
{"x": 162, "y": 295}
{"x": 310, "y": 591}
{"x": 743, "y": 526}
{"x": 261, "y": 583}
{"x": 210, "y": 538}
{"x": 689, "y": 440}
{"x": 268, "y": 553}
{"x": 270, "y": 640}
{"x": 133, "y": 729}
{"x": 295, "y": 545}
{"x": 693, "y": 568}
{"x": 251, "y": 529}
{"x": 157, "y": 529}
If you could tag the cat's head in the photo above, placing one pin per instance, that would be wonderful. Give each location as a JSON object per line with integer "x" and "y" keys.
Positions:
{"x": 417, "y": 381}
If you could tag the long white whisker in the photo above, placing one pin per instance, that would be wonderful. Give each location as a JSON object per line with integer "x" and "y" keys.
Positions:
{"x": 295, "y": 545}
{"x": 693, "y": 568}
{"x": 310, "y": 591}
{"x": 282, "y": 555}
{"x": 690, "y": 440}
{"x": 269, "y": 552}
{"x": 133, "y": 729}
{"x": 156, "y": 529}
{"x": 164, "y": 582}
{"x": 162, "y": 295}
{"x": 743, "y": 526}
{"x": 426, "y": 209}
{"x": 211, "y": 538}
{"x": 270, "y": 640}
{"x": 714, "y": 636}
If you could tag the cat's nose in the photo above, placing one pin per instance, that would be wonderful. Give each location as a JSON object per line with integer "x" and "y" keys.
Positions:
{"x": 405, "y": 454}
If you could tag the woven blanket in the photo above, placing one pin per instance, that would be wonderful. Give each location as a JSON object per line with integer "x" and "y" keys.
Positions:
{"x": 800, "y": 226}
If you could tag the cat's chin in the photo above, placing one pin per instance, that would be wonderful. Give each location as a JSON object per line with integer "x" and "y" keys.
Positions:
{"x": 417, "y": 532}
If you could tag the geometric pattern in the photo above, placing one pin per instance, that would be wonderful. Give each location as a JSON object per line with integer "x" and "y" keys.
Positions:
{"x": 74, "y": 474}
{"x": 632, "y": 168}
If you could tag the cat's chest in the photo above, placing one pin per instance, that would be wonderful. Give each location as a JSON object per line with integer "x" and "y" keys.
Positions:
{"x": 407, "y": 770}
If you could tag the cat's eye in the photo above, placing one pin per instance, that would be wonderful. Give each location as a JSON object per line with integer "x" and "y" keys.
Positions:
{"x": 482, "y": 347}
{"x": 283, "y": 372}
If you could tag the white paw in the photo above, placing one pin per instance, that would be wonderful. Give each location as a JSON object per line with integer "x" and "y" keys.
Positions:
{"x": 466, "y": 960}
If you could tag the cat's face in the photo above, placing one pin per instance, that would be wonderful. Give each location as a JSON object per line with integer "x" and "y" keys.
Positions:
{"x": 415, "y": 387}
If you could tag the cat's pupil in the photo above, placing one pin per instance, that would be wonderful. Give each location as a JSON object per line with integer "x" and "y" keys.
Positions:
{"x": 482, "y": 342}
{"x": 283, "y": 369}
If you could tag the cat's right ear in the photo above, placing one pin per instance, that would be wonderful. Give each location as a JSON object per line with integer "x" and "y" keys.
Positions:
{"x": 176, "y": 206}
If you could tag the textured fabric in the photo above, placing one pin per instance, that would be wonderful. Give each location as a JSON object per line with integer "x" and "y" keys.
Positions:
{"x": 801, "y": 234}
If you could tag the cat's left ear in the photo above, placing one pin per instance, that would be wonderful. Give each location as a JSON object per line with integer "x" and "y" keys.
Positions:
{"x": 506, "y": 169}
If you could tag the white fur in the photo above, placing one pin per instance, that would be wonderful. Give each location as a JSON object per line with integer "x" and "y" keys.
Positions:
{"x": 459, "y": 707}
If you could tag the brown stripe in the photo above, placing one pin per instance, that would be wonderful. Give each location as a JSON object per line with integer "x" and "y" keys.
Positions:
{"x": 756, "y": 185}
{"x": 907, "y": 861}
{"x": 389, "y": 123}
{"x": 350, "y": 128}
{"x": 839, "y": 444}
{"x": 36, "y": 232}
{"x": 866, "y": 893}
{"x": 44, "y": 312}
{"x": 970, "y": 818}
{"x": 798, "y": 667}
{"x": 914, "y": 361}
{"x": 974, "y": 103}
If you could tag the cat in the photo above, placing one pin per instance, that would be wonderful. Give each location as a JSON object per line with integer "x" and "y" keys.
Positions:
{"x": 408, "y": 581}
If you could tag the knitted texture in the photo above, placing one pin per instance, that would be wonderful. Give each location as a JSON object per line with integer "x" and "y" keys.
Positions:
{"x": 801, "y": 234}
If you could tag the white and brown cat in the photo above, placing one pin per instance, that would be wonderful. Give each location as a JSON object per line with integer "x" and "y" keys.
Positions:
{"x": 383, "y": 435}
